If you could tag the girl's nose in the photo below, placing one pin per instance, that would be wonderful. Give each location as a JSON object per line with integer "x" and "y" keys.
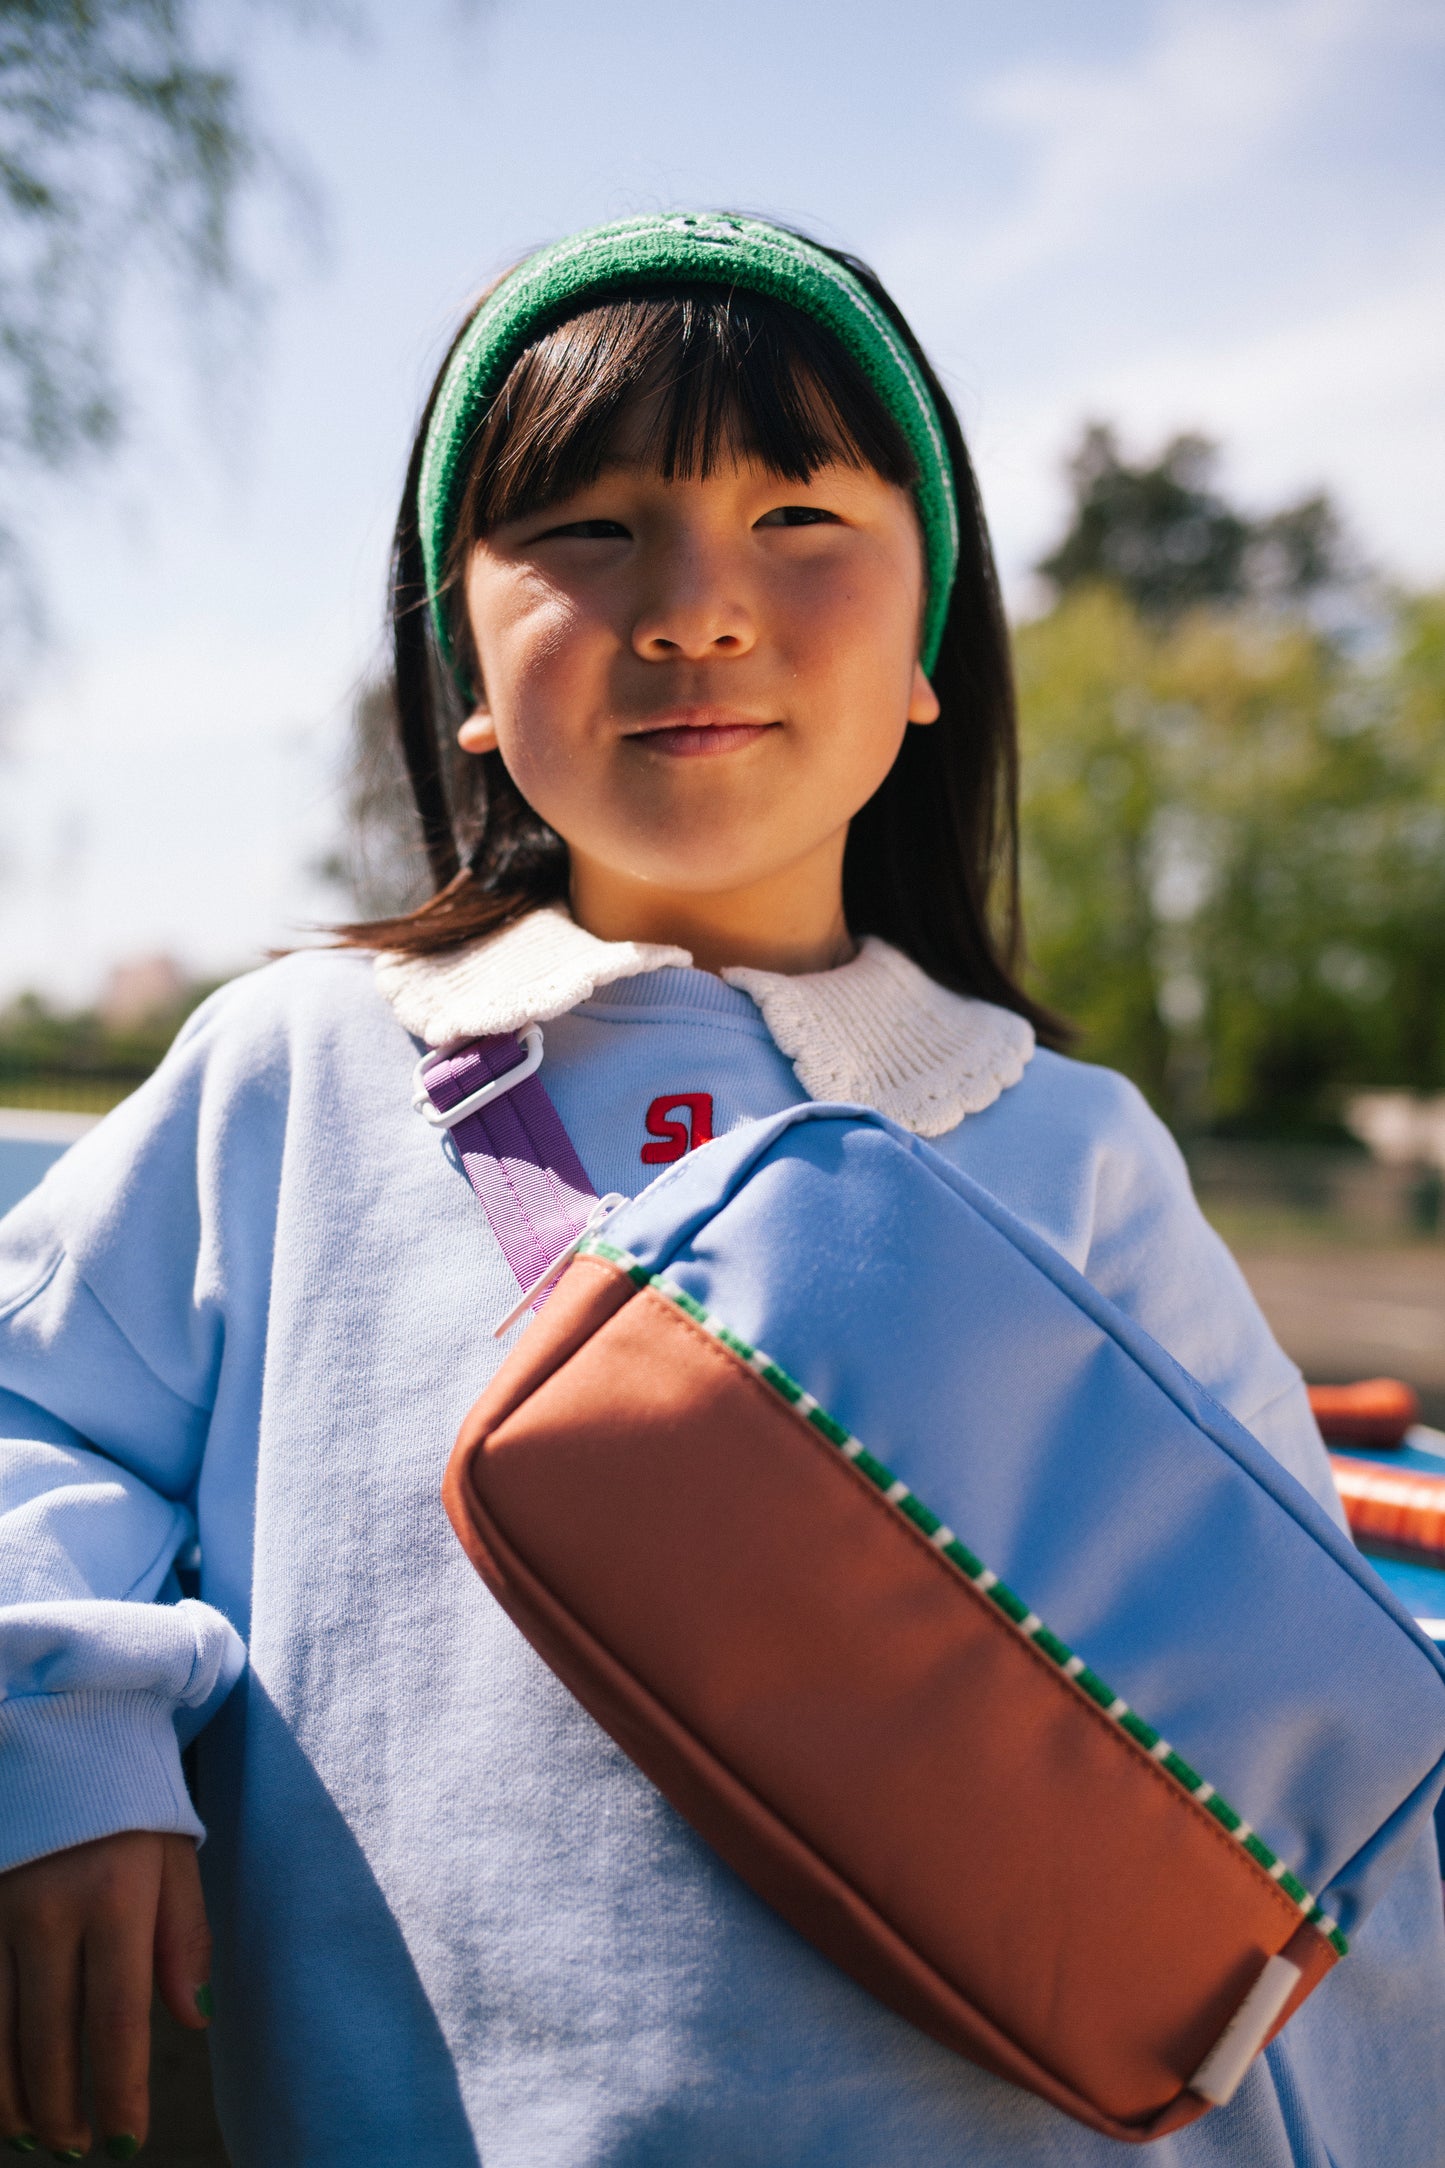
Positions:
{"x": 693, "y": 612}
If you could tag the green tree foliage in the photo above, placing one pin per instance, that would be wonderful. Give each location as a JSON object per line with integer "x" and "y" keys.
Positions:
{"x": 1235, "y": 852}
{"x": 110, "y": 129}
{"x": 124, "y": 142}
{"x": 1164, "y": 536}
{"x": 379, "y": 863}
{"x": 58, "y": 1058}
{"x": 1234, "y": 819}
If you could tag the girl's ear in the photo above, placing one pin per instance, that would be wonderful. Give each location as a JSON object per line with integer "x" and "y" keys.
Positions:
{"x": 478, "y": 733}
{"x": 922, "y": 702}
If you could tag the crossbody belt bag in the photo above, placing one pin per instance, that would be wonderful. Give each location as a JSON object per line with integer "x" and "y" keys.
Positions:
{"x": 959, "y": 1620}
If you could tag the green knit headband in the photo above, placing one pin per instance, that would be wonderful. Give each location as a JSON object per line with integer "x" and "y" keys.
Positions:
{"x": 693, "y": 248}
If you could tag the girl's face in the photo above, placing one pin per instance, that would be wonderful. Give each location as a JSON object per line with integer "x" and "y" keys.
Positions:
{"x": 698, "y": 683}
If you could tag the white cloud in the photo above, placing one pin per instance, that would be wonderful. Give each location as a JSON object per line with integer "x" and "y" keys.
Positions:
{"x": 1184, "y": 112}
{"x": 1350, "y": 399}
{"x": 1166, "y": 257}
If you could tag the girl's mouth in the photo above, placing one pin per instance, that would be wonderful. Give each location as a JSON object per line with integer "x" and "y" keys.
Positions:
{"x": 690, "y": 733}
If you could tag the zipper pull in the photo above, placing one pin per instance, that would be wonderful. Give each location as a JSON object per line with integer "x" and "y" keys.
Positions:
{"x": 601, "y": 1211}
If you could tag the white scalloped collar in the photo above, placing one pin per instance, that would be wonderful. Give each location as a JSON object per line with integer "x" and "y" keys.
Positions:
{"x": 876, "y": 1031}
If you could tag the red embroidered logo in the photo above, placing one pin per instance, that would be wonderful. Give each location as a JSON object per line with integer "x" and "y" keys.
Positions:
{"x": 677, "y": 1137}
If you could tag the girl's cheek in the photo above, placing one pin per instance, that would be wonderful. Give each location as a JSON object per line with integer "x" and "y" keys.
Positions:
{"x": 521, "y": 623}
{"x": 542, "y": 714}
{"x": 536, "y": 666}
{"x": 854, "y": 618}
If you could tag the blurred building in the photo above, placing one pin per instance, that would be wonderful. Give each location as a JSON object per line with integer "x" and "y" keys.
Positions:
{"x": 142, "y": 988}
{"x": 1402, "y": 1129}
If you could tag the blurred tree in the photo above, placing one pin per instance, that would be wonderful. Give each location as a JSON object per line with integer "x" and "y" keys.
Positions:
{"x": 84, "y": 1058}
{"x": 1235, "y": 853}
{"x": 1161, "y": 533}
{"x": 122, "y": 136}
{"x": 379, "y": 863}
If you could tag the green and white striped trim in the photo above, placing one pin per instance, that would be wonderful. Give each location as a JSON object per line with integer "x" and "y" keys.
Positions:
{"x": 1013, "y": 1607}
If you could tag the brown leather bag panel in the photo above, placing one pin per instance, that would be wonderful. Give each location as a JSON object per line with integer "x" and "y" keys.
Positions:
{"x": 649, "y": 1495}
{"x": 588, "y": 1293}
{"x": 745, "y": 1832}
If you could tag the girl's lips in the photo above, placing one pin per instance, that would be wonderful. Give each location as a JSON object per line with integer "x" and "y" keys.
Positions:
{"x": 690, "y": 740}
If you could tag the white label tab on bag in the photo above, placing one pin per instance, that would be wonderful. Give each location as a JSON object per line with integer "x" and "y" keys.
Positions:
{"x": 1218, "y": 2076}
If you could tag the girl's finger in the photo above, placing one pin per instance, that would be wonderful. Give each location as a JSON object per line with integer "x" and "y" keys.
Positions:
{"x": 47, "y": 1978}
{"x": 117, "y": 1986}
{"x": 14, "y": 2116}
{"x": 183, "y": 1937}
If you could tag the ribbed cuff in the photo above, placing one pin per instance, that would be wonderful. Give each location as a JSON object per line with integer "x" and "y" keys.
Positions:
{"x": 82, "y": 1765}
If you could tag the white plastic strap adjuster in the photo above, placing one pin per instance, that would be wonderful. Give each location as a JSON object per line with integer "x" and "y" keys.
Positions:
{"x": 601, "y": 1211}
{"x": 448, "y": 1118}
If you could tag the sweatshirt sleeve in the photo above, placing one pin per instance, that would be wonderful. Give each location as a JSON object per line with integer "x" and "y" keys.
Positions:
{"x": 116, "y": 1280}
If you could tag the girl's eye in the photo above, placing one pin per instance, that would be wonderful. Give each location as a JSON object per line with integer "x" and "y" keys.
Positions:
{"x": 587, "y": 530}
{"x": 798, "y": 515}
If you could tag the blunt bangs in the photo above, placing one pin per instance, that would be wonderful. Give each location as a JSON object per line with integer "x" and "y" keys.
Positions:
{"x": 723, "y": 375}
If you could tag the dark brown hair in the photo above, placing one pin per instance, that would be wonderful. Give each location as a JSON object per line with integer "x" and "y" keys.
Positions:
{"x": 931, "y": 859}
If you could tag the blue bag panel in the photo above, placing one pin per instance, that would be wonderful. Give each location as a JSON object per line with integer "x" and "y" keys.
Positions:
{"x": 1144, "y": 1524}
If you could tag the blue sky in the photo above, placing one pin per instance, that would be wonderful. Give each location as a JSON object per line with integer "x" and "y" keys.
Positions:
{"x": 1171, "y": 213}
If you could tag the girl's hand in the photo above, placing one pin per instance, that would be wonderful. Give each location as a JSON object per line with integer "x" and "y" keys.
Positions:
{"x": 83, "y": 1933}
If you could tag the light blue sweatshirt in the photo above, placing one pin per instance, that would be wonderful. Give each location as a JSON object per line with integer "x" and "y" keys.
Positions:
{"x": 454, "y": 1925}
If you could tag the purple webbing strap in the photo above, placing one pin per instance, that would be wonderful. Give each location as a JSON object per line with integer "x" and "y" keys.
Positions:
{"x": 518, "y": 1157}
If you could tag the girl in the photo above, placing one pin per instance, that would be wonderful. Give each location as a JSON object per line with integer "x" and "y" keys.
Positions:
{"x": 704, "y": 696}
